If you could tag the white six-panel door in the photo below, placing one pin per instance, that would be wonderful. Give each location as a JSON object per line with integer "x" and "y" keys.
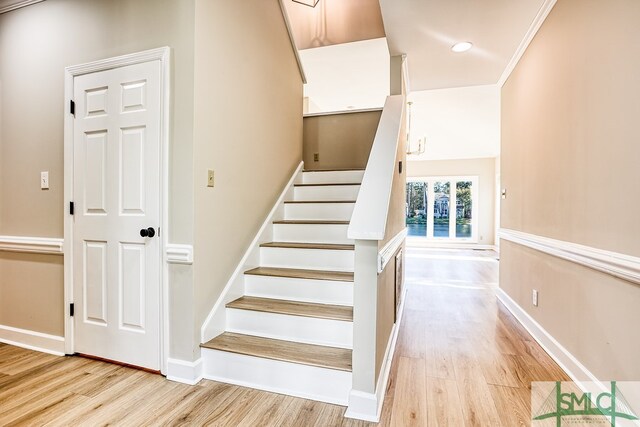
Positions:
{"x": 116, "y": 190}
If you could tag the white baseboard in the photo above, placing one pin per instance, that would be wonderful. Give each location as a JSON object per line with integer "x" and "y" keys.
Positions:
{"x": 184, "y": 372}
{"x": 568, "y": 362}
{"x": 32, "y": 340}
{"x": 419, "y": 242}
{"x": 368, "y": 406}
{"x": 216, "y": 320}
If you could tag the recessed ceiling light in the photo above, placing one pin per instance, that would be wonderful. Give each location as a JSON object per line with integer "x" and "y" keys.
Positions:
{"x": 461, "y": 47}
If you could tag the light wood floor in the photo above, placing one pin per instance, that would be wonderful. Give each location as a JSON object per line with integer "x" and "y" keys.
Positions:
{"x": 461, "y": 360}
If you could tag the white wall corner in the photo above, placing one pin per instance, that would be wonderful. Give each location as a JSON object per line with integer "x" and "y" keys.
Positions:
{"x": 184, "y": 372}
{"x": 32, "y": 340}
{"x": 215, "y": 322}
{"x": 567, "y": 361}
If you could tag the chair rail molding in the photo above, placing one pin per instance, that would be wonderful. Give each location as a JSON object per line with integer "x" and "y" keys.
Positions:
{"x": 389, "y": 250}
{"x": 179, "y": 254}
{"x": 38, "y": 245}
{"x": 619, "y": 265}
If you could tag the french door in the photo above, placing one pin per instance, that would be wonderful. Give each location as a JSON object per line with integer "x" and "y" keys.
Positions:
{"x": 443, "y": 208}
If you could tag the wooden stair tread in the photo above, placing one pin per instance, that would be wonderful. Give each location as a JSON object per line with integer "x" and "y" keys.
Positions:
{"x": 311, "y": 221}
{"x": 294, "y": 273}
{"x": 334, "y": 170}
{"x": 319, "y": 201}
{"x": 293, "y": 308}
{"x": 327, "y": 184}
{"x": 286, "y": 351}
{"x": 293, "y": 245}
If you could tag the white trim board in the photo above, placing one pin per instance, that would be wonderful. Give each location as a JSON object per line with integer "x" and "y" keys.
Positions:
{"x": 179, "y": 254}
{"x": 369, "y": 219}
{"x": 215, "y": 322}
{"x": 38, "y": 245}
{"x": 185, "y": 372}
{"x": 163, "y": 55}
{"x": 9, "y": 5}
{"x": 619, "y": 265}
{"x": 568, "y": 362}
{"x": 292, "y": 39}
{"x": 368, "y": 406}
{"x": 543, "y": 12}
{"x": 32, "y": 340}
{"x": 389, "y": 250}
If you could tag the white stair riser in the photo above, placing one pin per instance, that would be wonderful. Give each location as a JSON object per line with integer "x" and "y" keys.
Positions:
{"x": 307, "y": 259}
{"x": 333, "y": 177}
{"x": 327, "y": 192}
{"x": 311, "y": 233}
{"x": 317, "y": 291}
{"x": 292, "y": 379}
{"x": 333, "y": 333}
{"x": 325, "y": 211}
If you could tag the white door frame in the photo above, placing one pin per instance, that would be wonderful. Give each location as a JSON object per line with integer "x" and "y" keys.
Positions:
{"x": 163, "y": 55}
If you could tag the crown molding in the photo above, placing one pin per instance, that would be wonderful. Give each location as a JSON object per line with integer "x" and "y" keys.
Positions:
{"x": 544, "y": 11}
{"x": 9, "y": 5}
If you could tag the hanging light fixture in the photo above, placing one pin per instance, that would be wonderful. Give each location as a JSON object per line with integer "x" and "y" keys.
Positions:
{"x": 310, "y": 3}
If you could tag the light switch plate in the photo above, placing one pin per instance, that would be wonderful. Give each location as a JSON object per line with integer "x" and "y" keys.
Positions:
{"x": 535, "y": 297}
{"x": 210, "y": 178}
{"x": 44, "y": 180}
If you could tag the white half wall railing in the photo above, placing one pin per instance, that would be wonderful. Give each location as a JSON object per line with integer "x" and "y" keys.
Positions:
{"x": 369, "y": 218}
{"x": 367, "y": 228}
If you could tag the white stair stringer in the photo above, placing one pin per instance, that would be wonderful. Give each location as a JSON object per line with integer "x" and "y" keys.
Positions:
{"x": 293, "y": 379}
{"x": 308, "y": 330}
{"x": 305, "y": 290}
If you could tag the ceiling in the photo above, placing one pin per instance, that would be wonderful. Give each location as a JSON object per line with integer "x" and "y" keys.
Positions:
{"x": 334, "y": 22}
{"x": 458, "y": 123}
{"x": 425, "y": 30}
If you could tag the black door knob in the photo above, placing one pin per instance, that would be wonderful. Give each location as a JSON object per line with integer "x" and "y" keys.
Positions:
{"x": 147, "y": 232}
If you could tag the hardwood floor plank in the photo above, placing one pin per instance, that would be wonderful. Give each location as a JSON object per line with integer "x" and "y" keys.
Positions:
{"x": 294, "y": 308}
{"x": 288, "y": 351}
{"x": 336, "y": 276}
{"x": 443, "y": 403}
{"x": 410, "y": 400}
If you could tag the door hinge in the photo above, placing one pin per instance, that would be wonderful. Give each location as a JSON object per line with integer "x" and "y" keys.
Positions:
{"x": 71, "y": 310}
{"x": 72, "y": 107}
{"x": 72, "y": 208}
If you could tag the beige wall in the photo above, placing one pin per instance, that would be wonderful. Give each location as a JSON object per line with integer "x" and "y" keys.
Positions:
{"x": 569, "y": 163}
{"x": 343, "y": 140}
{"x": 248, "y": 129}
{"x": 484, "y": 169}
{"x": 36, "y": 44}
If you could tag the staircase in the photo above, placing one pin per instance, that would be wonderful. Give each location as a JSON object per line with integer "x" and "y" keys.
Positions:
{"x": 292, "y": 331}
